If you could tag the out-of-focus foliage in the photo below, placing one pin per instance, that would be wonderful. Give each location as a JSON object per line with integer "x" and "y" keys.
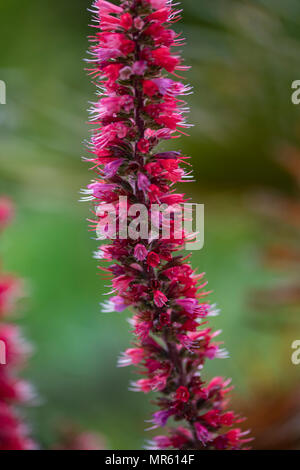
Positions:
{"x": 274, "y": 417}
{"x": 283, "y": 214}
{"x": 245, "y": 55}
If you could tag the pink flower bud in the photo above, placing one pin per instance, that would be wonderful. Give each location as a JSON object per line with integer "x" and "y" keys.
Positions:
{"x": 140, "y": 252}
{"x": 139, "y": 67}
{"x": 143, "y": 182}
{"x": 202, "y": 433}
{"x": 125, "y": 73}
{"x": 139, "y": 23}
{"x": 160, "y": 299}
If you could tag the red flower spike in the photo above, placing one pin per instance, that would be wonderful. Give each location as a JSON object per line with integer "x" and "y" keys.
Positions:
{"x": 132, "y": 51}
{"x": 14, "y": 352}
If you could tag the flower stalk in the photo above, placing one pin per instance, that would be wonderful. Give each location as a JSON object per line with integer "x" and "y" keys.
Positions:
{"x": 139, "y": 107}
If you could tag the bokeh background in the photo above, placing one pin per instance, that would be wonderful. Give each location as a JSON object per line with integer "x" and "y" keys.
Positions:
{"x": 245, "y": 55}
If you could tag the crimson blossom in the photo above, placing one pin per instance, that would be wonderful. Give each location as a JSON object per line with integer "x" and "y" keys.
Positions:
{"x": 139, "y": 107}
{"x": 14, "y": 434}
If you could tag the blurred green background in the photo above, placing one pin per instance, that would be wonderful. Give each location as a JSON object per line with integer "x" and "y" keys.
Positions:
{"x": 245, "y": 55}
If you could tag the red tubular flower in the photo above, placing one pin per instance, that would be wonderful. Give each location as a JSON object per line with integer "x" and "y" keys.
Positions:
{"x": 14, "y": 353}
{"x": 131, "y": 52}
{"x": 153, "y": 259}
{"x": 182, "y": 394}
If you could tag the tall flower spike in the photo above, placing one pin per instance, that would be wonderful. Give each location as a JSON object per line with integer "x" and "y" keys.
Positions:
{"x": 14, "y": 353}
{"x": 139, "y": 107}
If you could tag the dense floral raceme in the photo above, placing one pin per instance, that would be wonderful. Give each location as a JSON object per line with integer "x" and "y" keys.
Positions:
{"x": 14, "y": 434}
{"x": 135, "y": 66}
